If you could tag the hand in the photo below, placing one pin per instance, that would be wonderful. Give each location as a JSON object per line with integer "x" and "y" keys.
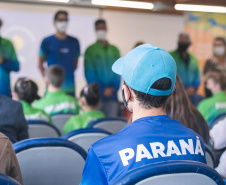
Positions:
{"x": 108, "y": 92}
{"x": 1, "y": 60}
{"x": 190, "y": 91}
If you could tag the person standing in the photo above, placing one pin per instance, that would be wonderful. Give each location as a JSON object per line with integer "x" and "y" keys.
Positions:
{"x": 8, "y": 63}
{"x": 187, "y": 67}
{"x": 61, "y": 49}
{"x": 99, "y": 58}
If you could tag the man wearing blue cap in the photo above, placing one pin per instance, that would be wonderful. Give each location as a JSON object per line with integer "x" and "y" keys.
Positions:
{"x": 149, "y": 78}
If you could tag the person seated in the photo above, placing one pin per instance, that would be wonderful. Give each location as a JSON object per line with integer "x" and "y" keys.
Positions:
{"x": 179, "y": 107}
{"x": 213, "y": 106}
{"x": 149, "y": 75}
{"x": 12, "y": 121}
{"x": 8, "y": 160}
{"x": 26, "y": 91}
{"x": 89, "y": 100}
{"x": 56, "y": 101}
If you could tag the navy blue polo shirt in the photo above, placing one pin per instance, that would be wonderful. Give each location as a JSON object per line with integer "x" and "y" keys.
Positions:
{"x": 145, "y": 141}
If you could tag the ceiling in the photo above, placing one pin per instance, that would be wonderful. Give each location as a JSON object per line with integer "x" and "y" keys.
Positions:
{"x": 168, "y": 4}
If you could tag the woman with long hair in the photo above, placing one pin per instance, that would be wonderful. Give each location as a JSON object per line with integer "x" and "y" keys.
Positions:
{"x": 179, "y": 107}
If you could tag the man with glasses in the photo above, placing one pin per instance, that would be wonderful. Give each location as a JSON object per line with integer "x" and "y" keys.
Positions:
{"x": 61, "y": 49}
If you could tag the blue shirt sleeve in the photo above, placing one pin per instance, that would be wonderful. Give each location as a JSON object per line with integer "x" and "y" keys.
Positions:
{"x": 94, "y": 172}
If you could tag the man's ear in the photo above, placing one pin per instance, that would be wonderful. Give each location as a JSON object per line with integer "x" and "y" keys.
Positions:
{"x": 127, "y": 93}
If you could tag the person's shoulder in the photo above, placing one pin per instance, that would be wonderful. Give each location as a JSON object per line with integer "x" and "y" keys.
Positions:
{"x": 3, "y": 137}
{"x": 39, "y": 102}
{"x": 91, "y": 47}
{"x": 173, "y": 52}
{"x": 6, "y": 40}
{"x": 73, "y": 39}
{"x": 114, "y": 47}
{"x": 194, "y": 58}
{"x": 205, "y": 103}
{"x": 8, "y": 102}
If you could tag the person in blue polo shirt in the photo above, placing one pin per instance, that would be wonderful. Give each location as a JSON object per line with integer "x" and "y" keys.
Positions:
{"x": 61, "y": 49}
{"x": 149, "y": 75}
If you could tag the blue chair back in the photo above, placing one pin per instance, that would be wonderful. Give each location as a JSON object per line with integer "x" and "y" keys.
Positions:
{"x": 86, "y": 137}
{"x": 59, "y": 120}
{"x": 112, "y": 125}
{"x": 217, "y": 119}
{"x": 210, "y": 158}
{"x": 50, "y": 161}
{"x": 172, "y": 173}
{"x": 37, "y": 129}
{"x": 6, "y": 180}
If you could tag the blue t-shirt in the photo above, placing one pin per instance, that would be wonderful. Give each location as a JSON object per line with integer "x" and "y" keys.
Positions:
{"x": 62, "y": 53}
{"x": 145, "y": 141}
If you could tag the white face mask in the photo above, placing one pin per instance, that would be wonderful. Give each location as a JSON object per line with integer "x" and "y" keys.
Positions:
{"x": 61, "y": 26}
{"x": 219, "y": 50}
{"x": 101, "y": 35}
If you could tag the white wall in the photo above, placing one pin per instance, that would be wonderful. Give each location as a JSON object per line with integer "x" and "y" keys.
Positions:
{"x": 125, "y": 29}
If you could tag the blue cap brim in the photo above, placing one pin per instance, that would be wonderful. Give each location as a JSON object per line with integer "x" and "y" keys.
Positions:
{"x": 118, "y": 66}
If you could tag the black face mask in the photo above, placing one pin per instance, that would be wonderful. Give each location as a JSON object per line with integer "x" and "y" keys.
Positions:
{"x": 182, "y": 47}
{"x": 124, "y": 99}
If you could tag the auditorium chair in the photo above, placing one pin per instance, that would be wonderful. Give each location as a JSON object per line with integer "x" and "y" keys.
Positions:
{"x": 6, "y": 180}
{"x": 86, "y": 137}
{"x": 172, "y": 173}
{"x": 112, "y": 125}
{"x": 38, "y": 129}
{"x": 50, "y": 161}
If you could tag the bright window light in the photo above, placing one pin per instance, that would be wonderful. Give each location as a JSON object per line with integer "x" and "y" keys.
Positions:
{"x": 200, "y": 8}
{"x": 125, "y": 4}
{"x": 57, "y": 1}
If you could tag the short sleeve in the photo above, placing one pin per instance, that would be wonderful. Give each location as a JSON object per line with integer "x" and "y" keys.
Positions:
{"x": 94, "y": 172}
{"x": 42, "y": 51}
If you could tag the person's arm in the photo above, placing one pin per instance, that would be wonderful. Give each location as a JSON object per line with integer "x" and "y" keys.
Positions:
{"x": 23, "y": 126}
{"x": 8, "y": 162}
{"x": 94, "y": 172}
{"x": 77, "y": 45}
{"x": 196, "y": 81}
{"x": 42, "y": 57}
{"x": 11, "y": 63}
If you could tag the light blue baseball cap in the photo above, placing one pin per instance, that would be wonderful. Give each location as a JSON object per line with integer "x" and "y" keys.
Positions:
{"x": 143, "y": 66}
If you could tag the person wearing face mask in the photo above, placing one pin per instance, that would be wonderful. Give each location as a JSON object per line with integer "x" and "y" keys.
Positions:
{"x": 99, "y": 58}
{"x": 8, "y": 63}
{"x": 217, "y": 63}
{"x": 61, "y": 49}
{"x": 187, "y": 67}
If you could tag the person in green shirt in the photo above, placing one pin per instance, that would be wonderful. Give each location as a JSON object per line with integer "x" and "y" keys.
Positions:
{"x": 56, "y": 101}
{"x": 213, "y": 106}
{"x": 89, "y": 99}
{"x": 98, "y": 60}
{"x": 26, "y": 91}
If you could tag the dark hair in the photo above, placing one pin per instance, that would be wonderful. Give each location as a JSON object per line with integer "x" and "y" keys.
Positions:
{"x": 100, "y": 21}
{"x": 148, "y": 101}
{"x": 60, "y": 12}
{"x": 91, "y": 94}
{"x": 222, "y": 39}
{"x": 27, "y": 90}
{"x": 55, "y": 75}
{"x": 179, "y": 107}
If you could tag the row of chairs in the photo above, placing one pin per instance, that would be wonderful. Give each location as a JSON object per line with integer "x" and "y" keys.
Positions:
{"x": 44, "y": 129}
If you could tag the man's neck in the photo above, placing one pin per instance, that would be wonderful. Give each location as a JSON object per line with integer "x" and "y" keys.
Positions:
{"x": 60, "y": 35}
{"x": 103, "y": 42}
{"x": 141, "y": 112}
{"x": 216, "y": 91}
{"x": 53, "y": 89}
{"x": 88, "y": 108}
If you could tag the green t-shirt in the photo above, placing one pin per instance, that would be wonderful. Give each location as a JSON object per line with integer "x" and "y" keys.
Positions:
{"x": 57, "y": 102}
{"x": 82, "y": 120}
{"x": 212, "y": 107}
{"x": 31, "y": 113}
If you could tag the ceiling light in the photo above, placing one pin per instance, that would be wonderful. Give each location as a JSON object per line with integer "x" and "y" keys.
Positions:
{"x": 124, "y": 4}
{"x": 200, "y": 8}
{"x": 57, "y": 1}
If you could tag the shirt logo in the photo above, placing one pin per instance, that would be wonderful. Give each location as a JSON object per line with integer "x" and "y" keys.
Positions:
{"x": 158, "y": 150}
{"x": 220, "y": 105}
{"x": 64, "y": 50}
